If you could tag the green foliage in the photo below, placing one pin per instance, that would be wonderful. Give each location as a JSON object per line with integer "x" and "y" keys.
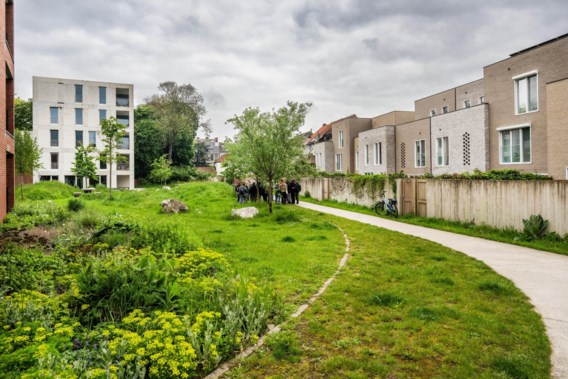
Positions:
{"x": 149, "y": 140}
{"x": 268, "y": 145}
{"x": 28, "y": 157}
{"x": 535, "y": 227}
{"x": 386, "y": 299}
{"x": 75, "y": 205}
{"x": 187, "y": 174}
{"x": 51, "y": 190}
{"x": 200, "y": 157}
{"x": 28, "y": 215}
{"x": 84, "y": 164}
{"x": 161, "y": 170}
{"x": 285, "y": 345}
{"x": 506, "y": 174}
{"x": 111, "y": 133}
{"x": 23, "y": 113}
{"x": 370, "y": 185}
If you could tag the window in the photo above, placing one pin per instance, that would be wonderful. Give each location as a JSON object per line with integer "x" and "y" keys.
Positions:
{"x": 442, "y": 154}
{"x": 102, "y": 114}
{"x": 338, "y": 162}
{"x": 481, "y": 99}
{"x": 122, "y": 118}
{"x": 341, "y": 139}
{"x": 124, "y": 143}
{"x": 467, "y": 104}
{"x": 102, "y": 162}
{"x": 78, "y": 138}
{"x": 122, "y": 97}
{"x": 78, "y": 116}
{"x": 54, "y": 161}
{"x": 54, "y": 137}
{"x": 445, "y": 109}
{"x": 102, "y": 95}
{"x": 526, "y": 96}
{"x": 123, "y": 163}
{"x": 366, "y": 155}
{"x": 78, "y": 93}
{"x": 92, "y": 138}
{"x": 432, "y": 113}
{"x": 54, "y": 115}
{"x": 516, "y": 145}
{"x": 420, "y": 154}
{"x": 378, "y": 153}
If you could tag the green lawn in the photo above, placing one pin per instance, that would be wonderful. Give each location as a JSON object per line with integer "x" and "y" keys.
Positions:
{"x": 402, "y": 307}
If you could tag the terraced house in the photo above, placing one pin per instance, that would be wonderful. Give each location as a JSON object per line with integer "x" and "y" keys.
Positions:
{"x": 516, "y": 117}
{"x": 67, "y": 113}
{"x": 7, "y": 145}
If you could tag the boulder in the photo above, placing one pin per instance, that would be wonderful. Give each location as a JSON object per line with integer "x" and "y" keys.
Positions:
{"x": 248, "y": 212}
{"x": 173, "y": 206}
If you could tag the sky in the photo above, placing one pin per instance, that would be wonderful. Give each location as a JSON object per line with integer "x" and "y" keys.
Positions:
{"x": 363, "y": 57}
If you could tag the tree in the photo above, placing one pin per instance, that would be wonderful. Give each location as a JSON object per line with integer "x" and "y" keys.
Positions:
{"x": 161, "y": 170}
{"x": 149, "y": 140}
{"x": 84, "y": 165}
{"x": 111, "y": 136}
{"x": 28, "y": 155}
{"x": 23, "y": 113}
{"x": 200, "y": 157}
{"x": 269, "y": 145}
{"x": 178, "y": 110}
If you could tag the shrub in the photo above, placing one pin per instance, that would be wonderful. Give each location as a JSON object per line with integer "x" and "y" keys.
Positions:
{"x": 48, "y": 191}
{"x": 307, "y": 195}
{"x": 75, "y": 205}
{"x": 535, "y": 227}
{"x": 27, "y": 215}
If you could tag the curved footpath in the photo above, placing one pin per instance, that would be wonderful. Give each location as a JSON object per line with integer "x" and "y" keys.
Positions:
{"x": 542, "y": 276}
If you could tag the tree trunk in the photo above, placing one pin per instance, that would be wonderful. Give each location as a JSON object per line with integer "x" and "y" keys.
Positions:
{"x": 110, "y": 174}
{"x": 270, "y": 196}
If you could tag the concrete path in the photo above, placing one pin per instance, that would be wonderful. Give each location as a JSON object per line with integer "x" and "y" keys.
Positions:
{"x": 542, "y": 276}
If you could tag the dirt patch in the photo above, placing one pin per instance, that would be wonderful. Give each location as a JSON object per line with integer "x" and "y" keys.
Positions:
{"x": 38, "y": 236}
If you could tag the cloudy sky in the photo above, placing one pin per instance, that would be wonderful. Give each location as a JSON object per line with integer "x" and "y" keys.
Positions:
{"x": 365, "y": 57}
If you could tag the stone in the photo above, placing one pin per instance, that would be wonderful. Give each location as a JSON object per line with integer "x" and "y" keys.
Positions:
{"x": 173, "y": 206}
{"x": 248, "y": 212}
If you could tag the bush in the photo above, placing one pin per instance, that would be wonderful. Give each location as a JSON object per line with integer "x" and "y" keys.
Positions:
{"x": 48, "y": 191}
{"x": 187, "y": 174}
{"x": 75, "y": 205}
{"x": 534, "y": 227}
{"x": 27, "y": 215}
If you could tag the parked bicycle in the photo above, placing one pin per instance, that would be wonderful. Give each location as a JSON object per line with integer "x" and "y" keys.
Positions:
{"x": 386, "y": 206}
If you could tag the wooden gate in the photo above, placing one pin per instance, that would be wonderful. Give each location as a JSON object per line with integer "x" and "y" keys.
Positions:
{"x": 413, "y": 197}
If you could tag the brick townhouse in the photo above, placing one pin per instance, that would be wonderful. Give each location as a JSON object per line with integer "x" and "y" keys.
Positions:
{"x": 7, "y": 146}
{"x": 514, "y": 117}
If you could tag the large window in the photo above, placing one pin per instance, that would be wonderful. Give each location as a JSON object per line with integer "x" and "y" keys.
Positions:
{"x": 122, "y": 96}
{"x": 102, "y": 95}
{"x": 78, "y": 93}
{"x": 54, "y": 161}
{"x": 102, "y": 114}
{"x": 378, "y": 153}
{"x": 54, "y": 137}
{"x": 420, "y": 153}
{"x": 92, "y": 138}
{"x": 78, "y": 116}
{"x": 367, "y": 155}
{"x": 78, "y": 138}
{"x": 124, "y": 143}
{"x": 442, "y": 153}
{"x": 526, "y": 94}
{"x": 123, "y": 162}
{"x": 338, "y": 162}
{"x": 341, "y": 139}
{"x": 516, "y": 145}
{"x": 54, "y": 115}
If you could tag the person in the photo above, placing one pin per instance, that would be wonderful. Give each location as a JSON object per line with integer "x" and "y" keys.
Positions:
{"x": 283, "y": 188}
{"x": 298, "y": 190}
{"x": 253, "y": 192}
{"x": 293, "y": 191}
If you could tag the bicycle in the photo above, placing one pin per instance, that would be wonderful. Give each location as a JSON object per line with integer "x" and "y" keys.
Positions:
{"x": 386, "y": 206}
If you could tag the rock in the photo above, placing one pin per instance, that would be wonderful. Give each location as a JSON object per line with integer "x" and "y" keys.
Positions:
{"x": 173, "y": 206}
{"x": 248, "y": 212}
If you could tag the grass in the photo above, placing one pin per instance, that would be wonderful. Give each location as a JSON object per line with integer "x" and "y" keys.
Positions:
{"x": 402, "y": 306}
{"x": 511, "y": 236}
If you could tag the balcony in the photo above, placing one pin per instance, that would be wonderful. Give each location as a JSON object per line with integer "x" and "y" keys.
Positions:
{"x": 122, "y": 97}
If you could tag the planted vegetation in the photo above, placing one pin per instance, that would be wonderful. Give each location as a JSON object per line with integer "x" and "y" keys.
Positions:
{"x": 117, "y": 289}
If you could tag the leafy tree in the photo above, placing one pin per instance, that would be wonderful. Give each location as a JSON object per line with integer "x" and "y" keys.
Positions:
{"x": 178, "y": 110}
{"x": 28, "y": 155}
{"x": 111, "y": 136}
{"x": 269, "y": 145}
{"x": 161, "y": 170}
{"x": 149, "y": 140}
{"x": 200, "y": 157}
{"x": 84, "y": 165}
{"x": 23, "y": 111}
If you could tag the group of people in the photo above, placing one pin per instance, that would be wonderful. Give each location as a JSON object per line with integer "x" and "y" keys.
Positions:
{"x": 283, "y": 192}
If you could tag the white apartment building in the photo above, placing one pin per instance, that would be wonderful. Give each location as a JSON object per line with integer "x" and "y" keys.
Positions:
{"x": 67, "y": 113}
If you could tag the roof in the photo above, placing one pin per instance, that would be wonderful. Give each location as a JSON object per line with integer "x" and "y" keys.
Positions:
{"x": 221, "y": 159}
{"x": 540, "y": 44}
{"x": 326, "y": 129}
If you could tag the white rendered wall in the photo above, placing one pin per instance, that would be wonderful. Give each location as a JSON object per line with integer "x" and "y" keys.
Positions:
{"x": 55, "y": 92}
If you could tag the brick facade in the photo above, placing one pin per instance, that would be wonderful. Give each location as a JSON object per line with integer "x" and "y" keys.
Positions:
{"x": 7, "y": 147}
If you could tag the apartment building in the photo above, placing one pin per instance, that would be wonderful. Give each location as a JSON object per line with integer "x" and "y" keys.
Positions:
{"x": 67, "y": 113}
{"x": 7, "y": 145}
{"x": 320, "y": 148}
{"x": 514, "y": 117}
